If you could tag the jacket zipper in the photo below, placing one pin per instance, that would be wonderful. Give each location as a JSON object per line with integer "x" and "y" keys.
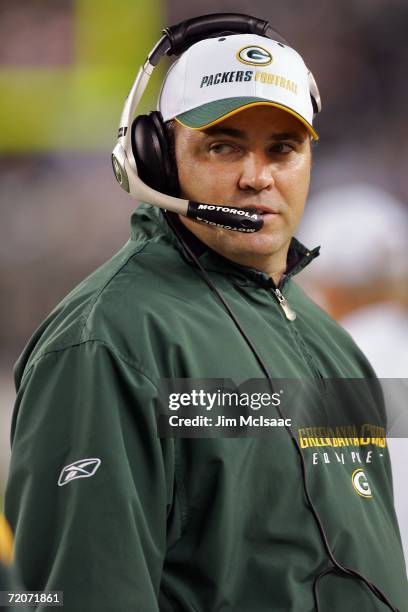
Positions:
{"x": 290, "y": 314}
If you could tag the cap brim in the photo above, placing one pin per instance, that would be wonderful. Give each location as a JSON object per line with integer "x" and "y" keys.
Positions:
{"x": 212, "y": 113}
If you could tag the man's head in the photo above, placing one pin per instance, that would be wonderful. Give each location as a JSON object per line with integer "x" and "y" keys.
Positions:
{"x": 242, "y": 136}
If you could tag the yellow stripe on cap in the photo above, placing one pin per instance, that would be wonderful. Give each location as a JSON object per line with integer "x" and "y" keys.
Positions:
{"x": 6, "y": 542}
{"x": 250, "y": 105}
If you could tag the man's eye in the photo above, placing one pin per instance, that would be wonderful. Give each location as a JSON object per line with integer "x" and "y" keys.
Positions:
{"x": 222, "y": 148}
{"x": 282, "y": 148}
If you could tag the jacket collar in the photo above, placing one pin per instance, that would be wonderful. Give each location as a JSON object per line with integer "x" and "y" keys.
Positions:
{"x": 157, "y": 224}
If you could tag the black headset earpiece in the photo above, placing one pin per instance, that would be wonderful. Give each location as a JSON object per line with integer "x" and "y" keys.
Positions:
{"x": 151, "y": 148}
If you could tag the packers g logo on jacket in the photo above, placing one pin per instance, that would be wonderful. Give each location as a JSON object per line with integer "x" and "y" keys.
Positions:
{"x": 360, "y": 483}
{"x": 256, "y": 56}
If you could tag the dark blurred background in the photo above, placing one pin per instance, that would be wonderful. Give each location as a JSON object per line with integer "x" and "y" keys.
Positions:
{"x": 65, "y": 70}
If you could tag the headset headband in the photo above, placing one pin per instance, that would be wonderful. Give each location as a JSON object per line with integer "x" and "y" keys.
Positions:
{"x": 176, "y": 39}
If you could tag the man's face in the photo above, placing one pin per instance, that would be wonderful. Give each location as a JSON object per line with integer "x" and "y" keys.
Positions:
{"x": 260, "y": 157}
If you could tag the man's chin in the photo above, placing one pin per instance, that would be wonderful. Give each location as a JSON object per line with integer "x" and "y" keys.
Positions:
{"x": 251, "y": 244}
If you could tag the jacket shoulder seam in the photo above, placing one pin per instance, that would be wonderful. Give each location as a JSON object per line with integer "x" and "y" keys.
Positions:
{"x": 132, "y": 363}
{"x": 98, "y": 294}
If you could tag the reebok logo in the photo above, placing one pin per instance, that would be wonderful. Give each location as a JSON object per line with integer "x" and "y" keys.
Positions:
{"x": 84, "y": 468}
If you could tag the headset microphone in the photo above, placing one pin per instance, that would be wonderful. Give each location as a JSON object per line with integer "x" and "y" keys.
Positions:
{"x": 228, "y": 217}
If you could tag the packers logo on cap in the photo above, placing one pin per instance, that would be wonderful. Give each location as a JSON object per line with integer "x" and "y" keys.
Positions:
{"x": 255, "y": 56}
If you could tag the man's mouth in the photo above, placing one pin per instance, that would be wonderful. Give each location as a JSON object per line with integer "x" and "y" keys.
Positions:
{"x": 262, "y": 209}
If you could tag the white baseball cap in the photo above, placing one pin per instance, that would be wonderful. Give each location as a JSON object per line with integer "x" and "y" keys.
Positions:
{"x": 218, "y": 77}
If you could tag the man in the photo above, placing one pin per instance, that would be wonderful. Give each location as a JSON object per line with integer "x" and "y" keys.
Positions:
{"x": 120, "y": 519}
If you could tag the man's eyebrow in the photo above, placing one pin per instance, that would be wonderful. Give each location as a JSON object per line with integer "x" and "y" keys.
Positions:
{"x": 296, "y": 136}
{"x": 235, "y": 133}
{"x": 224, "y": 131}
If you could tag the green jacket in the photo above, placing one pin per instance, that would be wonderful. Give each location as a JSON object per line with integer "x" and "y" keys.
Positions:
{"x": 181, "y": 524}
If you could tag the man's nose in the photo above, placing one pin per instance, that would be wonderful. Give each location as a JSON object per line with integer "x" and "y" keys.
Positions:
{"x": 256, "y": 173}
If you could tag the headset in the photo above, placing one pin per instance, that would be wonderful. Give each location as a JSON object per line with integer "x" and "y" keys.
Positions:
{"x": 144, "y": 167}
{"x": 142, "y": 161}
